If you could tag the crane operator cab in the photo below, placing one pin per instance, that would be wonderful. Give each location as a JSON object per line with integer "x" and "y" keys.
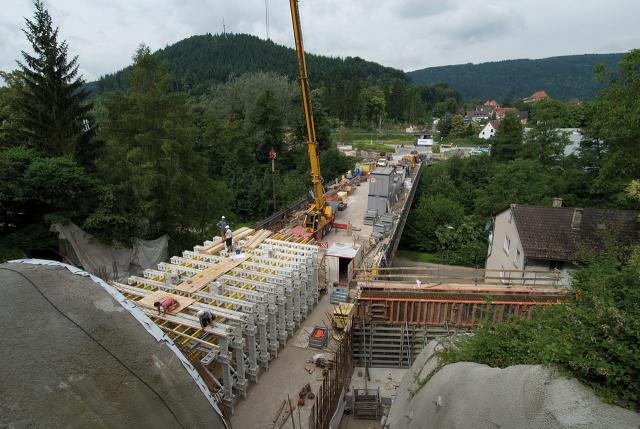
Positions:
{"x": 319, "y": 223}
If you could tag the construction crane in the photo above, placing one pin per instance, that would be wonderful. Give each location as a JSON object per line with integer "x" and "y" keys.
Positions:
{"x": 318, "y": 219}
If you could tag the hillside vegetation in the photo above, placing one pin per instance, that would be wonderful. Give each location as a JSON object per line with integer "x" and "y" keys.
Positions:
{"x": 197, "y": 62}
{"x": 353, "y": 91}
{"x": 564, "y": 77}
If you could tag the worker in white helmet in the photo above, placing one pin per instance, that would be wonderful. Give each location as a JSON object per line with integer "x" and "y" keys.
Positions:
{"x": 228, "y": 235}
{"x": 222, "y": 225}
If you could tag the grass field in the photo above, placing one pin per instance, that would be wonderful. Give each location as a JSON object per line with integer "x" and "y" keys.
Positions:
{"x": 420, "y": 256}
{"x": 390, "y": 138}
{"x": 375, "y": 147}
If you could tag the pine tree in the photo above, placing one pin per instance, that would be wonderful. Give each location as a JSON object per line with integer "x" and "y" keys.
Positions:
{"x": 508, "y": 139}
{"x": 54, "y": 102}
{"x": 149, "y": 133}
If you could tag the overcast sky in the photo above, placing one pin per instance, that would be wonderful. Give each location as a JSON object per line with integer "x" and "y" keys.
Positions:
{"x": 406, "y": 34}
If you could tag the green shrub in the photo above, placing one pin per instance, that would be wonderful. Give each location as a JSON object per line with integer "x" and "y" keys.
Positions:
{"x": 594, "y": 336}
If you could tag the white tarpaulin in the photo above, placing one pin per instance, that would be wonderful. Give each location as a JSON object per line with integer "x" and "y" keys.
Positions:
{"x": 116, "y": 263}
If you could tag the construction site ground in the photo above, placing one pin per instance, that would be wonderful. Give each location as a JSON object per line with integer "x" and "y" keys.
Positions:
{"x": 354, "y": 213}
{"x": 286, "y": 376}
{"x": 357, "y": 207}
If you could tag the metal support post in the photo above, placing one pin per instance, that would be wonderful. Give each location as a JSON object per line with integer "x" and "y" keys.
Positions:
{"x": 238, "y": 346}
{"x": 252, "y": 347}
{"x": 227, "y": 382}
{"x": 264, "y": 340}
{"x": 273, "y": 330}
{"x": 284, "y": 307}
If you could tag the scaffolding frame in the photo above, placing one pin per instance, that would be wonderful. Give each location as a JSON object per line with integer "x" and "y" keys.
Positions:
{"x": 256, "y": 304}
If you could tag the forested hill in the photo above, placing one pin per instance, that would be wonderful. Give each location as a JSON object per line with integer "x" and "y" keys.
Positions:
{"x": 563, "y": 77}
{"x": 198, "y": 61}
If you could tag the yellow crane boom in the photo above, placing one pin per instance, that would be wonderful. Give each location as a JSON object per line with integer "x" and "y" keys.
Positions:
{"x": 319, "y": 218}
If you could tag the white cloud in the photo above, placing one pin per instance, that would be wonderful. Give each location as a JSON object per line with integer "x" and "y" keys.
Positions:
{"x": 406, "y": 34}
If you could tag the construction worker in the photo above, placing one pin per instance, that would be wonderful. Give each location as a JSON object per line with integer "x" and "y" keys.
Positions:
{"x": 222, "y": 225}
{"x": 228, "y": 235}
{"x": 166, "y": 303}
{"x": 205, "y": 317}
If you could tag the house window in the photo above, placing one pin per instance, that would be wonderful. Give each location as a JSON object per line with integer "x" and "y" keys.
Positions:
{"x": 507, "y": 244}
{"x": 517, "y": 257}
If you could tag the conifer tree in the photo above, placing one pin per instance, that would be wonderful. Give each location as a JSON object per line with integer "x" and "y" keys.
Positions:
{"x": 508, "y": 139}
{"x": 54, "y": 103}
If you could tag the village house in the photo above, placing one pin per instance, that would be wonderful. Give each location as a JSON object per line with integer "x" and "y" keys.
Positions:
{"x": 535, "y": 97}
{"x": 545, "y": 239}
{"x": 501, "y": 112}
{"x": 479, "y": 114}
{"x": 489, "y": 130}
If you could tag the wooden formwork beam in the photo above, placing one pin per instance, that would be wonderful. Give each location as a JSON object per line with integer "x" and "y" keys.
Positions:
{"x": 201, "y": 279}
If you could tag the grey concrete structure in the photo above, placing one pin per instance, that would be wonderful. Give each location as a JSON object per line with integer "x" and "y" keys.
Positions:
{"x": 469, "y": 395}
{"x": 88, "y": 363}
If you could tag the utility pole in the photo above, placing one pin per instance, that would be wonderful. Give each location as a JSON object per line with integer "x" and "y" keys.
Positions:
{"x": 224, "y": 28}
{"x": 272, "y": 157}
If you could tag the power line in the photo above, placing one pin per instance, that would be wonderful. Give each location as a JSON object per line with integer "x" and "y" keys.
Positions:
{"x": 124, "y": 365}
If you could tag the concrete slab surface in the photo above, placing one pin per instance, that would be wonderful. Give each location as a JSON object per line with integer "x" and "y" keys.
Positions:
{"x": 355, "y": 211}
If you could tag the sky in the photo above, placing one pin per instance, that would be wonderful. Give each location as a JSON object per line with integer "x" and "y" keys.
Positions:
{"x": 405, "y": 34}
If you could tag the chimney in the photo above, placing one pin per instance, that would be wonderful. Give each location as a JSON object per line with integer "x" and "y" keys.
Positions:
{"x": 557, "y": 202}
{"x": 577, "y": 218}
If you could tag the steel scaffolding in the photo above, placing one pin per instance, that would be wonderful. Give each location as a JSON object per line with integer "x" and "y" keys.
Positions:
{"x": 257, "y": 299}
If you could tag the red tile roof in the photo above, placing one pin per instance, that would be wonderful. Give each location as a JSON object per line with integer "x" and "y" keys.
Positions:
{"x": 501, "y": 111}
{"x": 536, "y": 96}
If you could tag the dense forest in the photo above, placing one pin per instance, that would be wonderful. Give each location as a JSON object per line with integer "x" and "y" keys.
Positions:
{"x": 565, "y": 77}
{"x": 179, "y": 138}
{"x": 197, "y": 62}
{"x": 351, "y": 90}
